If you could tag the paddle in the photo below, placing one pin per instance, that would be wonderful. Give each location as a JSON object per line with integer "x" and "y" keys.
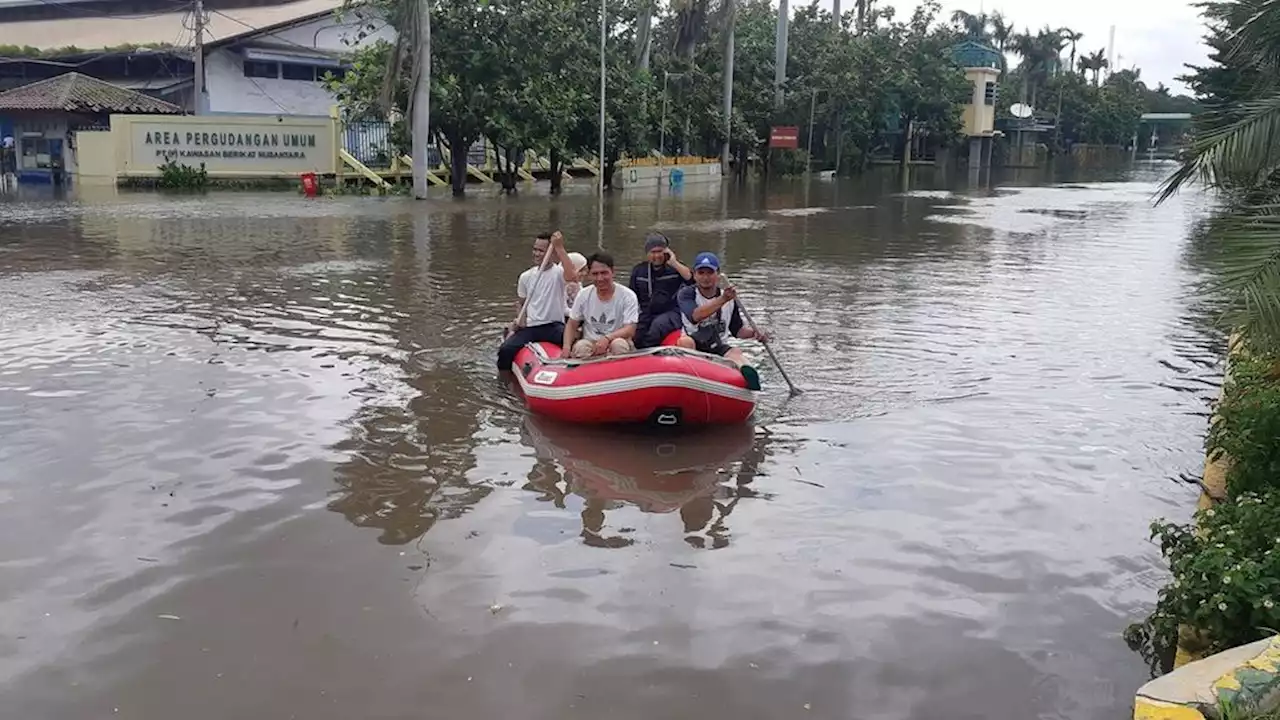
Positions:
{"x": 747, "y": 316}
{"x": 546, "y": 260}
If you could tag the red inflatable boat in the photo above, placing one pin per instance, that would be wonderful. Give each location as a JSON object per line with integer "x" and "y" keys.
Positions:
{"x": 668, "y": 386}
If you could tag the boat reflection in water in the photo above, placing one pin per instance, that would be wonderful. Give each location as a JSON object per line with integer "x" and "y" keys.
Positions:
{"x": 700, "y": 474}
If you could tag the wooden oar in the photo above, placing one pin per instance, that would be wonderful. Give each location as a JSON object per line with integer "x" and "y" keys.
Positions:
{"x": 747, "y": 316}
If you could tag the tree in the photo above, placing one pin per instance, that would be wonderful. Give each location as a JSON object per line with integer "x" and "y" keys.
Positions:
{"x": 1235, "y": 153}
{"x": 1001, "y": 31}
{"x": 975, "y": 27}
{"x": 1073, "y": 37}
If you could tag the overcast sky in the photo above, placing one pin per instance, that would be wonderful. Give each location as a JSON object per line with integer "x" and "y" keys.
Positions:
{"x": 1158, "y": 36}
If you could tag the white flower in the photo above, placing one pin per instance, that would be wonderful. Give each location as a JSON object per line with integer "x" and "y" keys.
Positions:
{"x": 1230, "y": 532}
{"x": 1209, "y": 512}
{"x": 1226, "y": 579}
{"x": 1268, "y": 604}
{"x": 1222, "y": 607}
{"x": 1219, "y": 545}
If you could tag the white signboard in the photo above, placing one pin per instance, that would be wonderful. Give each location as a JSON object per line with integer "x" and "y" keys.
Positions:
{"x": 232, "y": 145}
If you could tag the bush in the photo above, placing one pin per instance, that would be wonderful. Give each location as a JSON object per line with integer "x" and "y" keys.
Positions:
{"x": 1248, "y": 428}
{"x": 174, "y": 176}
{"x": 1226, "y": 565}
{"x": 1226, "y": 575}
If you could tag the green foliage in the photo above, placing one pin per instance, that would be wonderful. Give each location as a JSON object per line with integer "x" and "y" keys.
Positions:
{"x": 177, "y": 176}
{"x": 1248, "y": 427}
{"x": 1235, "y": 153}
{"x": 1226, "y": 565}
{"x": 34, "y": 53}
{"x": 525, "y": 75}
{"x": 1226, "y": 575}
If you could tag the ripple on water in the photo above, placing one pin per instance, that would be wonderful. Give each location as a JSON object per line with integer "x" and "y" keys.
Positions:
{"x": 277, "y": 420}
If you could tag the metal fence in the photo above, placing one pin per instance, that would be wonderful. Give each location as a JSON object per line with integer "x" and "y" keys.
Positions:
{"x": 370, "y": 143}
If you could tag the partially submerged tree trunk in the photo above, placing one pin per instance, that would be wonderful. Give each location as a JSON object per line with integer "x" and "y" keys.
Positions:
{"x": 506, "y": 162}
{"x": 609, "y": 167}
{"x": 557, "y": 172}
{"x": 459, "y": 146}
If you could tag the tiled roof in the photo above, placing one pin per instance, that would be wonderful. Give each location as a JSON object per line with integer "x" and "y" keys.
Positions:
{"x": 73, "y": 92}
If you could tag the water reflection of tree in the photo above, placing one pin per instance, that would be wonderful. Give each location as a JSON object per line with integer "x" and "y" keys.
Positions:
{"x": 407, "y": 463}
{"x": 703, "y": 476}
{"x": 407, "y": 467}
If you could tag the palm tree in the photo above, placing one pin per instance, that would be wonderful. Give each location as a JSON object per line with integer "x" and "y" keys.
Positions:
{"x": 1041, "y": 57}
{"x": 1001, "y": 31}
{"x": 1097, "y": 63}
{"x": 973, "y": 26}
{"x": 1073, "y": 37}
{"x": 1236, "y": 153}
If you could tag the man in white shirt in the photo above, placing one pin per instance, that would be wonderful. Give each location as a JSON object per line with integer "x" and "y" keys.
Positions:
{"x": 604, "y": 315}
{"x": 544, "y": 290}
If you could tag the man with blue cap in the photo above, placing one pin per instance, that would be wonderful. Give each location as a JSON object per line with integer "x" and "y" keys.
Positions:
{"x": 710, "y": 317}
{"x": 655, "y": 283}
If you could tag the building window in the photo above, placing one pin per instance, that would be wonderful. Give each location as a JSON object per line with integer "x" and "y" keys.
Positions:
{"x": 257, "y": 69}
{"x": 989, "y": 94}
{"x": 290, "y": 71}
{"x": 298, "y": 72}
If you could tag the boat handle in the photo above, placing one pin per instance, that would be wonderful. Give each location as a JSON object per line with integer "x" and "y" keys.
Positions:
{"x": 667, "y": 419}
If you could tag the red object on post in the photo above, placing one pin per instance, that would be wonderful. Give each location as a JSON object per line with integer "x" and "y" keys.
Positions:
{"x": 784, "y": 136}
{"x": 310, "y": 185}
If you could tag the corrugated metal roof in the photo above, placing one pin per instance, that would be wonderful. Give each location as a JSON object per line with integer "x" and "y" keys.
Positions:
{"x": 97, "y": 31}
{"x": 73, "y": 92}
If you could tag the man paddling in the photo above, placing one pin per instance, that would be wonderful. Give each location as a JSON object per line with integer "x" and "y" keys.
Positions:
{"x": 604, "y": 315}
{"x": 655, "y": 283}
{"x": 541, "y": 292}
{"x": 710, "y": 316}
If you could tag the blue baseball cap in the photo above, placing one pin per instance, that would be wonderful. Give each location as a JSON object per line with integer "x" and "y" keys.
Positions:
{"x": 706, "y": 260}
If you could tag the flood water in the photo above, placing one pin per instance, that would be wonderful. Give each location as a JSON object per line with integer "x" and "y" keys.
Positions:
{"x": 255, "y": 461}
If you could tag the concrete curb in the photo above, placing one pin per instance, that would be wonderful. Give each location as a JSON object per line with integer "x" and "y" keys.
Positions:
{"x": 1247, "y": 678}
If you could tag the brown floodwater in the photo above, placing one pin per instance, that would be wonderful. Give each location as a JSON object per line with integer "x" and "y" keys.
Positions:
{"x": 255, "y": 460}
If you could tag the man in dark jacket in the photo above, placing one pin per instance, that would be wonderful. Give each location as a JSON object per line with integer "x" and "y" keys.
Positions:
{"x": 655, "y": 283}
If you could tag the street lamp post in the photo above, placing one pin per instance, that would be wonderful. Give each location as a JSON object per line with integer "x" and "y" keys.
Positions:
{"x": 600, "y": 160}
{"x": 662, "y": 126}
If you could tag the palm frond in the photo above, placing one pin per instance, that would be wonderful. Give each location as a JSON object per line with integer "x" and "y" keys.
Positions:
{"x": 1235, "y": 146}
{"x": 1249, "y": 271}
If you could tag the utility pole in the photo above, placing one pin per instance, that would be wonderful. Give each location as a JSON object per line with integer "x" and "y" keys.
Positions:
{"x": 421, "y": 102}
{"x": 600, "y": 161}
{"x": 198, "y": 57}
{"x": 731, "y": 10}
{"x": 780, "y": 57}
{"x": 835, "y": 12}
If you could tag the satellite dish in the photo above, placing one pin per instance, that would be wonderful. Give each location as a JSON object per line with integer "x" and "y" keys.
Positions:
{"x": 1019, "y": 110}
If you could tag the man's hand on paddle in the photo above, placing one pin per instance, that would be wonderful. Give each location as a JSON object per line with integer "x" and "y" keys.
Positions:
{"x": 728, "y": 294}
{"x": 557, "y": 239}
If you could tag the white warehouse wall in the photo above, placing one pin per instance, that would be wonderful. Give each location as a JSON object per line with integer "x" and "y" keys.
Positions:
{"x": 230, "y": 91}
